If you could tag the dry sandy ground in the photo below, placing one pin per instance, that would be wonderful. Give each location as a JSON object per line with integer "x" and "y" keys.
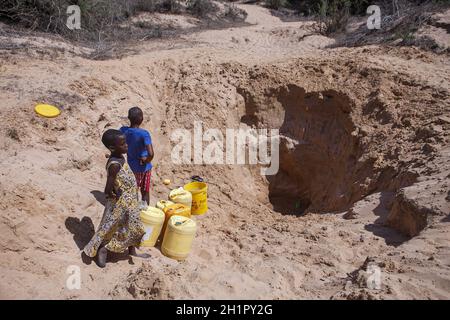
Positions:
{"x": 365, "y": 135}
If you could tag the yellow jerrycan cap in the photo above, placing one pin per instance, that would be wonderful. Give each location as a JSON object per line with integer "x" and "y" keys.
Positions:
{"x": 182, "y": 224}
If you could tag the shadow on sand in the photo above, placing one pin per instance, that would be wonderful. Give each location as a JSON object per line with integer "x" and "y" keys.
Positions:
{"x": 379, "y": 227}
{"x": 99, "y": 196}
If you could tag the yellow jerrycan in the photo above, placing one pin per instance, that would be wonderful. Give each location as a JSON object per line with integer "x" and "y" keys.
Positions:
{"x": 162, "y": 204}
{"x": 172, "y": 210}
{"x": 178, "y": 237}
{"x": 182, "y": 196}
{"x": 153, "y": 221}
{"x": 199, "y": 196}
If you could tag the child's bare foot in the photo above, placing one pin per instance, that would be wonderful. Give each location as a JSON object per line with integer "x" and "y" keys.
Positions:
{"x": 102, "y": 254}
{"x": 132, "y": 252}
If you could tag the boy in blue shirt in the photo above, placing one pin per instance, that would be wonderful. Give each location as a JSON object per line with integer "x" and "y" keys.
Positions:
{"x": 140, "y": 151}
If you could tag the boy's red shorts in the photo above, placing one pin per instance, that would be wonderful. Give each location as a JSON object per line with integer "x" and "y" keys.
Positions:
{"x": 143, "y": 180}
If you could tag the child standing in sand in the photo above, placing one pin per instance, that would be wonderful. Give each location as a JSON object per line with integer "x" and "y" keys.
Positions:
{"x": 121, "y": 227}
{"x": 140, "y": 151}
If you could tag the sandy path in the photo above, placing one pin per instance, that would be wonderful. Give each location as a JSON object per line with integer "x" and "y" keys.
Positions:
{"x": 243, "y": 248}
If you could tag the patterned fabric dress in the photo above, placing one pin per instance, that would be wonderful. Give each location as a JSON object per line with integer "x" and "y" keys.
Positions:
{"x": 121, "y": 226}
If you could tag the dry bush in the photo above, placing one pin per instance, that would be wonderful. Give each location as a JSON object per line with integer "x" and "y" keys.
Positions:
{"x": 312, "y": 7}
{"x": 400, "y": 21}
{"x": 333, "y": 16}
{"x": 50, "y": 15}
{"x": 201, "y": 8}
{"x": 276, "y": 4}
{"x": 171, "y": 6}
{"x": 100, "y": 19}
{"x": 233, "y": 13}
{"x": 44, "y": 15}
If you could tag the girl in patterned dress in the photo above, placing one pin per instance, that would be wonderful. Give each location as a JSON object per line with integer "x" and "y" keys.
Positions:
{"x": 120, "y": 228}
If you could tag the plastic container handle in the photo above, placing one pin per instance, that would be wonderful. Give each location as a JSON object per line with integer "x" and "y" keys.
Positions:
{"x": 197, "y": 178}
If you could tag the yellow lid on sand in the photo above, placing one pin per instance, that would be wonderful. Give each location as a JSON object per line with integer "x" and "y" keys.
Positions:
{"x": 47, "y": 110}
